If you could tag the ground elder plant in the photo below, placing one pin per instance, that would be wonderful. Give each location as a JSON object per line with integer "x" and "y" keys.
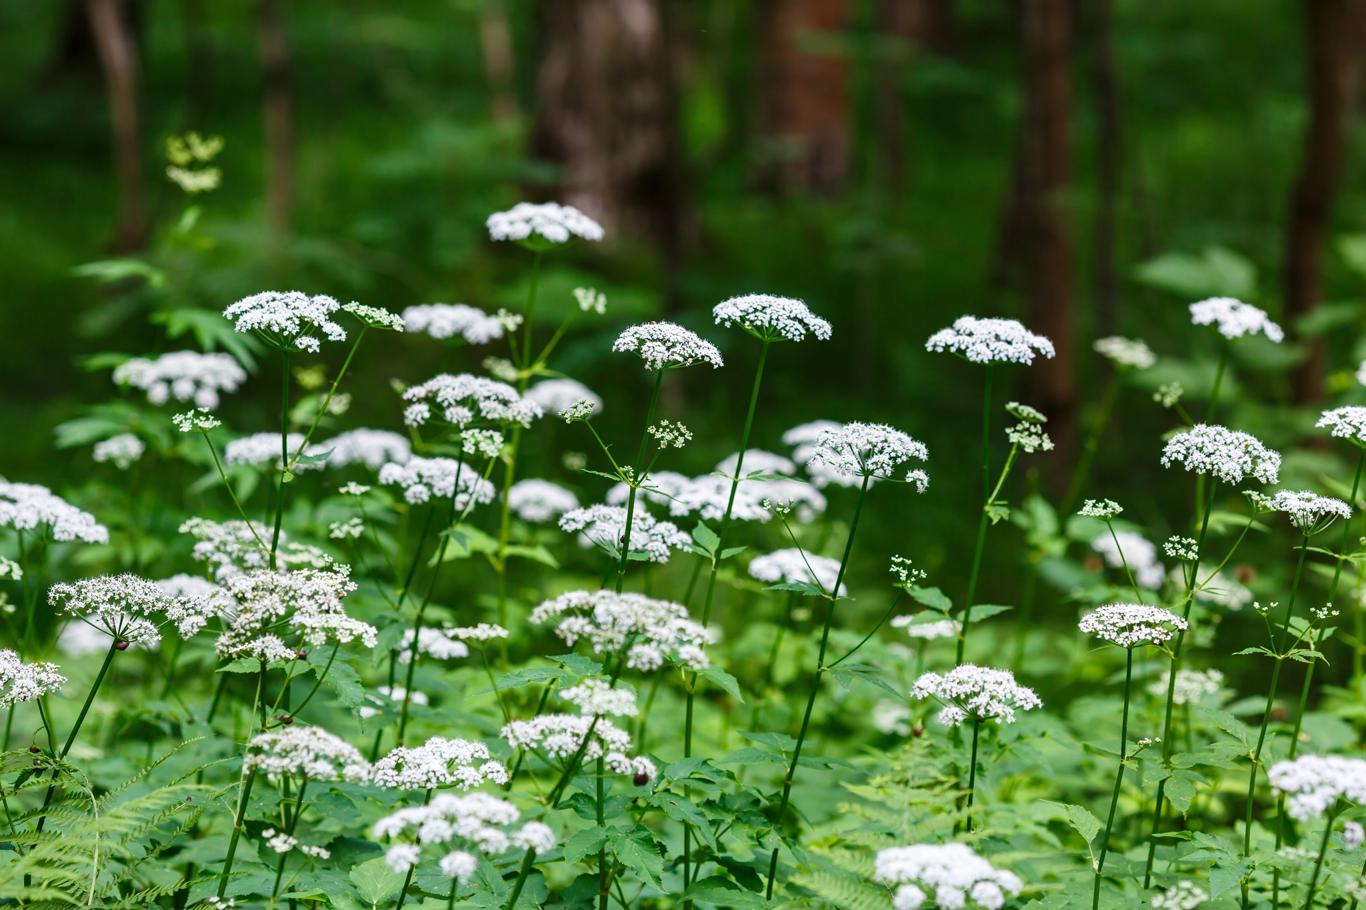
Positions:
{"x": 523, "y": 639}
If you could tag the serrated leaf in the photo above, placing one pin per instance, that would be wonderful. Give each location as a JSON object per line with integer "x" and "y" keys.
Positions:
{"x": 584, "y": 843}
{"x": 376, "y": 882}
{"x": 933, "y": 598}
{"x": 1079, "y": 818}
{"x": 637, "y": 851}
{"x": 722, "y": 679}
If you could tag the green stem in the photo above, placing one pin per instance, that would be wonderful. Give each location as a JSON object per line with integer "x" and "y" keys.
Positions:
{"x": 972, "y": 770}
{"x": 89, "y": 699}
{"x": 251, "y": 525}
{"x": 1119, "y": 777}
{"x": 327, "y": 400}
{"x": 293, "y": 824}
{"x": 527, "y": 859}
{"x": 243, "y": 795}
{"x": 1124, "y": 560}
{"x": 1318, "y": 864}
{"x": 422, "y": 609}
{"x": 815, "y": 686}
{"x": 284, "y": 457}
{"x": 603, "y": 878}
{"x": 636, "y": 480}
{"x": 1091, "y": 446}
{"x": 981, "y": 521}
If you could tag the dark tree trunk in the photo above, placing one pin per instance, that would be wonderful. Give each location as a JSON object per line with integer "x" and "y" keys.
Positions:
{"x": 277, "y": 107}
{"x": 1046, "y": 32}
{"x": 804, "y": 85}
{"x": 608, "y": 113}
{"x": 1334, "y": 31}
{"x": 495, "y": 42}
{"x": 1109, "y": 165}
{"x": 117, "y": 53}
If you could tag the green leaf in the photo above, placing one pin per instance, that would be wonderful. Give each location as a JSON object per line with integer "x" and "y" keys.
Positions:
{"x": 537, "y": 553}
{"x": 798, "y": 587}
{"x": 1214, "y": 271}
{"x": 986, "y": 611}
{"x": 584, "y": 843}
{"x": 933, "y": 598}
{"x": 109, "y": 271}
{"x": 846, "y": 674}
{"x": 706, "y": 539}
{"x": 376, "y": 882}
{"x": 1079, "y": 819}
{"x": 636, "y": 850}
{"x": 722, "y": 679}
{"x": 723, "y": 893}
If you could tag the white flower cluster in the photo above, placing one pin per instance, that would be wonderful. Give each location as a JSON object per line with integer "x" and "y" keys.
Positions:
{"x": 666, "y": 345}
{"x": 288, "y": 319}
{"x": 538, "y": 501}
{"x": 1030, "y": 437}
{"x": 771, "y": 318}
{"x": 433, "y": 643}
{"x": 372, "y": 448}
{"x": 309, "y": 751}
{"x": 927, "y": 630}
{"x": 199, "y": 420}
{"x": 463, "y": 399}
{"x": 1191, "y": 686}
{"x": 450, "y": 320}
{"x": 484, "y": 631}
{"x": 756, "y": 461}
{"x": 792, "y": 566}
{"x": 122, "y": 450}
{"x": 755, "y": 500}
{"x": 183, "y": 376}
{"x": 230, "y": 548}
{"x": 1126, "y": 353}
{"x": 1227, "y": 455}
{"x": 474, "y": 822}
{"x": 438, "y": 762}
{"x": 1131, "y": 625}
{"x": 262, "y": 449}
{"x": 375, "y": 317}
{"x": 649, "y": 630}
{"x": 555, "y": 395}
{"x": 549, "y": 222}
{"x": 870, "y": 450}
{"x": 1345, "y": 423}
{"x": 26, "y": 506}
{"x": 384, "y": 696}
{"x": 1184, "y": 895}
{"x": 1353, "y": 835}
{"x": 593, "y": 696}
{"x": 1315, "y": 783}
{"x": 1134, "y": 549}
{"x": 259, "y": 609}
{"x": 1182, "y": 549}
{"x": 425, "y": 478}
{"x": 990, "y": 341}
{"x": 564, "y": 735}
{"x": 1104, "y": 509}
{"x": 983, "y": 693}
{"x": 949, "y": 876}
{"x": 803, "y": 438}
{"x": 1307, "y": 510}
{"x": 1234, "y": 319}
{"x": 25, "y": 682}
{"x": 130, "y": 608}
{"x": 605, "y": 526}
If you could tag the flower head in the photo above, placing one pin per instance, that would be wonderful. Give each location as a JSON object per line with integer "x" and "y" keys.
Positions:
{"x": 453, "y": 320}
{"x": 233, "y": 547}
{"x": 646, "y": 629}
{"x": 990, "y": 341}
{"x": 423, "y": 478}
{"x": 182, "y": 376}
{"x": 122, "y": 450}
{"x": 1190, "y": 686}
{"x": 1125, "y": 353}
{"x": 372, "y": 448}
{"x": 432, "y": 642}
{"x": 555, "y": 395}
{"x": 1227, "y": 455}
{"x": 542, "y": 225}
{"x": 1316, "y": 783}
{"x": 1234, "y": 319}
{"x": 771, "y": 318}
{"x": 438, "y": 762}
{"x": 946, "y": 875}
{"x": 926, "y": 629}
{"x": 599, "y": 697}
{"x": 982, "y": 693}
{"x": 1345, "y": 423}
{"x": 263, "y": 449}
{"x": 1128, "y": 548}
{"x": 604, "y": 526}
{"x": 1104, "y": 509}
{"x": 1309, "y": 511}
{"x": 792, "y": 566}
{"x": 458, "y": 827}
{"x": 270, "y": 615}
{"x": 288, "y": 320}
{"x": 25, "y": 682}
{"x": 666, "y": 345}
{"x": 1130, "y": 625}
{"x": 589, "y": 736}
{"x": 466, "y": 400}
{"x": 27, "y": 506}
{"x": 539, "y": 501}
{"x": 872, "y": 451}
{"x": 374, "y": 317}
{"x": 131, "y": 608}
{"x": 305, "y": 750}
{"x": 1184, "y": 895}
{"x": 198, "y": 420}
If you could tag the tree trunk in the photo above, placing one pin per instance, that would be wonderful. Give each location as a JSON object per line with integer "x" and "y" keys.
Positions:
{"x": 804, "y": 86}
{"x": 1046, "y": 33}
{"x": 1109, "y": 164}
{"x": 495, "y": 42}
{"x": 1334, "y": 30}
{"x": 118, "y": 60}
{"x": 278, "y": 115}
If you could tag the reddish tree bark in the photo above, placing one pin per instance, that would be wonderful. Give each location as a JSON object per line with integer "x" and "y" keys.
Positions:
{"x": 1046, "y": 169}
{"x": 1334, "y": 32}
{"x": 117, "y": 54}
{"x": 277, "y": 108}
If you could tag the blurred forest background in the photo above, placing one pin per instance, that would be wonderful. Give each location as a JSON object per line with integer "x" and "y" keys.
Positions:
{"x": 1087, "y": 166}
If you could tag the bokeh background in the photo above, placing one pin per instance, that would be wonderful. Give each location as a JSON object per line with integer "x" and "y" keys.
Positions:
{"x": 1087, "y": 166}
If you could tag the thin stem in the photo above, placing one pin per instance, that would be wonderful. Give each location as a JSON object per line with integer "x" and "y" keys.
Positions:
{"x": 972, "y": 770}
{"x": 1091, "y": 446}
{"x": 1123, "y": 560}
{"x": 89, "y": 698}
{"x": 1318, "y": 865}
{"x": 815, "y": 685}
{"x": 251, "y": 526}
{"x": 981, "y": 520}
{"x": 327, "y": 400}
{"x": 636, "y": 480}
{"x": 603, "y": 876}
{"x": 527, "y": 859}
{"x": 293, "y": 824}
{"x": 243, "y": 795}
{"x": 284, "y": 457}
{"x": 1119, "y": 776}
{"x": 413, "y": 651}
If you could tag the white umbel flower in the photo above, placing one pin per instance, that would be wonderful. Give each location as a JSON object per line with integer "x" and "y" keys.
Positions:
{"x": 756, "y": 461}
{"x": 1191, "y": 686}
{"x": 1316, "y": 783}
{"x": 771, "y": 318}
{"x": 309, "y": 751}
{"x": 666, "y": 345}
{"x": 559, "y": 736}
{"x": 647, "y": 629}
{"x": 1184, "y": 895}
{"x": 663, "y": 488}
{"x": 1125, "y": 353}
{"x": 27, "y": 506}
{"x": 1104, "y": 509}
{"x": 425, "y": 478}
{"x": 439, "y": 762}
{"x": 372, "y": 448}
{"x": 464, "y": 400}
{"x": 130, "y": 608}
{"x": 25, "y": 682}
{"x": 122, "y": 450}
{"x": 542, "y": 224}
{"x": 927, "y": 631}
{"x": 1227, "y": 455}
{"x": 1307, "y": 510}
{"x": 1345, "y": 423}
{"x": 792, "y": 566}
{"x": 949, "y": 876}
{"x": 604, "y": 526}
{"x": 453, "y": 320}
{"x": 231, "y": 547}
{"x": 474, "y": 823}
{"x": 432, "y": 642}
{"x": 538, "y": 501}
{"x": 182, "y": 376}
{"x": 990, "y": 341}
{"x": 270, "y": 615}
{"x": 288, "y": 320}
{"x": 872, "y": 451}
{"x": 1234, "y": 319}
{"x": 555, "y": 395}
{"x": 982, "y": 693}
{"x": 803, "y": 438}
{"x": 1135, "y": 550}
{"x": 1131, "y": 625}
{"x": 263, "y": 449}
{"x": 594, "y": 696}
